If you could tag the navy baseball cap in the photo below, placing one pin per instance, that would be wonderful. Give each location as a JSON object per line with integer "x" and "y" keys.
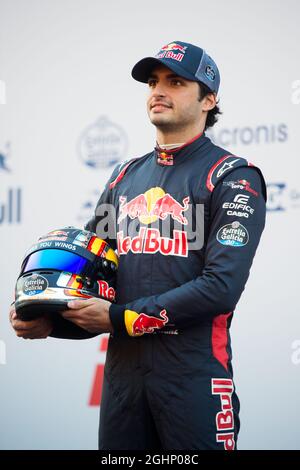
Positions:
{"x": 184, "y": 59}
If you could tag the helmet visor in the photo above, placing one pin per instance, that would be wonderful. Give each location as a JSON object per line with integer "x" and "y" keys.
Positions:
{"x": 55, "y": 259}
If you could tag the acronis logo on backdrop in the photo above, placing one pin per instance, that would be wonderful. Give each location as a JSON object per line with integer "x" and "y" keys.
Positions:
{"x": 102, "y": 144}
{"x": 261, "y": 134}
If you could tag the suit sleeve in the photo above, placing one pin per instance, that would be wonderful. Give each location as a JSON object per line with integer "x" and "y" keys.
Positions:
{"x": 237, "y": 219}
{"x": 103, "y": 224}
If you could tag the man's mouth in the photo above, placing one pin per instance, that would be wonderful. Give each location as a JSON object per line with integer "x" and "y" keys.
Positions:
{"x": 159, "y": 106}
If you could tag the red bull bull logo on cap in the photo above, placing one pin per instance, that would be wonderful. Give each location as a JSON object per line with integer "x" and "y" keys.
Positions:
{"x": 172, "y": 51}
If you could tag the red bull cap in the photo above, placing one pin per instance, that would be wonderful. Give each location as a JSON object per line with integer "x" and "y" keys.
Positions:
{"x": 184, "y": 59}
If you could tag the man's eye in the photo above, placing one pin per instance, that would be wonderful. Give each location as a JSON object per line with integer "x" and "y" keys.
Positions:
{"x": 151, "y": 83}
{"x": 176, "y": 82}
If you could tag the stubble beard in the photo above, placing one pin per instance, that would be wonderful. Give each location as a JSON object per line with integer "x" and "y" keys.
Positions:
{"x": 167, "y": 124}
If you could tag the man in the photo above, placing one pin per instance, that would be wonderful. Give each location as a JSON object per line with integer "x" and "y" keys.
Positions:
{"x": 168, "y": 381}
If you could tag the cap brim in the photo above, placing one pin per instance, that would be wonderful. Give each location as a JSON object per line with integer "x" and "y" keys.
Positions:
{"x": 142, "y": 69}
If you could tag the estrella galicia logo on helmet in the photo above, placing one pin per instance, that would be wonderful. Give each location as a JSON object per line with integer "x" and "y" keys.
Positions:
{"x": 234, "y": 234}
{"x": 34, "y": 284}
{"x": 210, "y": 73}
{"x": 102, "y": 144}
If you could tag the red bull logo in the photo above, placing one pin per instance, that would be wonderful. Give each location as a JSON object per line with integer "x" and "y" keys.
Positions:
{"x": 152, "y": 205}
{"x": 167, "y": 205}
{"x": 147, "y": 324}
{"x": 135, "y": 208}
{"x": 150, "y": 241}
{"x": 173, "y": 46}
{"x": 224, "y": 418}
{"x": 149, "y": 207}
{"x": 165, "y": 159}
{"x": 167, "y": 52}
{"x": 105, "y": 291}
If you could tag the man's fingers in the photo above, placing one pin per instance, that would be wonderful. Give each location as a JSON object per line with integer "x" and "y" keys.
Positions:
{"x": 24, "y": 325}
{"x": 31, "y": 335}
{"x": 78, "y": 304}
{"x": 21, "y": 333}
{"x": 19, "y": 325}
{"x": 78, "y": 313}
{"x": 26, "y": 334}
{"x": 69, "y": 314}
{"x": 78, "y": 310}
{"x": 74, "y": 317}
{"x": 12, "y": 313}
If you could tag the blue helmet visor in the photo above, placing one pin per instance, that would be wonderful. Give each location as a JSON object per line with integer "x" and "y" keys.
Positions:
{"x": 55, "y": 259}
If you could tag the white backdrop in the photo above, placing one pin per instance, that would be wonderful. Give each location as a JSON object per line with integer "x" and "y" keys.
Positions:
{"x": 68, "y": 109}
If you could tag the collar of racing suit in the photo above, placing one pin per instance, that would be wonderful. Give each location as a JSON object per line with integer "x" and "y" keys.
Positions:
{"x": 169, "y": 146}
{"x": 169, "y": 156}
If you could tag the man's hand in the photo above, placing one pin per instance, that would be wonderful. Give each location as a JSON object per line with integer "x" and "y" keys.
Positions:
{"x": 35, "y": 329}
{"x": 90, "y": 314}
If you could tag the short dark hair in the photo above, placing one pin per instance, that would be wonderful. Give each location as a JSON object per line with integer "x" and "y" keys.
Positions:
{"x": 212, "y": 115}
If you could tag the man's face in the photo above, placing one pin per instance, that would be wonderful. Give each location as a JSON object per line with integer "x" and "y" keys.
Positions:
{"x": 173, "y": 102}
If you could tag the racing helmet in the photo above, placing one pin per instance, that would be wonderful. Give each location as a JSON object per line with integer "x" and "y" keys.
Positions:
{"x": 64, "y": 265}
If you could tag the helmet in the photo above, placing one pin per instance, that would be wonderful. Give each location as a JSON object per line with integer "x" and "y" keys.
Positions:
{"x": 64, "y": 265}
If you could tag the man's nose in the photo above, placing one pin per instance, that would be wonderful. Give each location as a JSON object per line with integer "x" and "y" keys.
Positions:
{"x": 159, "y": 90}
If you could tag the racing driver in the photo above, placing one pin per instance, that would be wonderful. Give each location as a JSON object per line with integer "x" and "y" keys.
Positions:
{"x": 186, "y": 220}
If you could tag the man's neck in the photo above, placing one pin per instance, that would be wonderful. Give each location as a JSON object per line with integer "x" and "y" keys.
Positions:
{"x": 166, "y": 138}
{"x": 175, "y": 145}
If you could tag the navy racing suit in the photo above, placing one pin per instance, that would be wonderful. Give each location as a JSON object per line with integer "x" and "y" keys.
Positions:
{"x": 187, "y": 224}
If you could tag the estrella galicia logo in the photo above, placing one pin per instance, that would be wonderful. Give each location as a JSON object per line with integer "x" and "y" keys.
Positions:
{"x": 34, "y": 284}
{"x": 234, "y": 234}
{"x": 102, "y": 144}
{"x": 3, "y": 158}
{"x": 210, "y": 73}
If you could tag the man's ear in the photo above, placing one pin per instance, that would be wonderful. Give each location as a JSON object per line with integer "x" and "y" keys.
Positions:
{"x": 209, "y": 102}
